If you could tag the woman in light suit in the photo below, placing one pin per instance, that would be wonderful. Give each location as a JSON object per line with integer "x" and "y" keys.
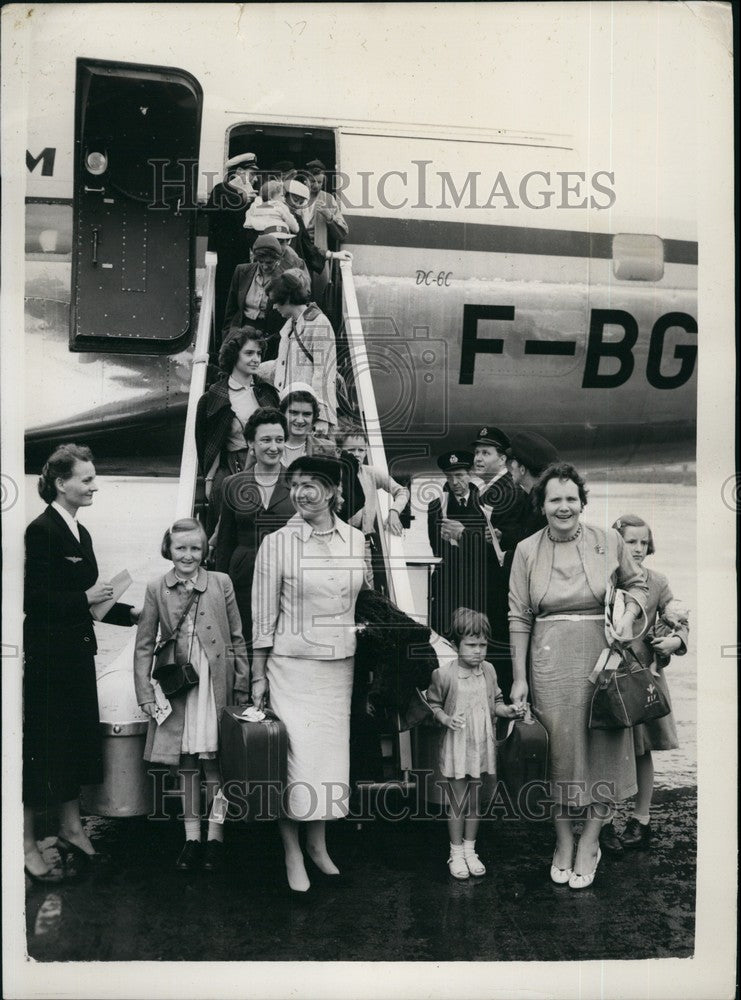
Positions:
{"x": 62, "y": 748}
{"x": 307, "y": 578}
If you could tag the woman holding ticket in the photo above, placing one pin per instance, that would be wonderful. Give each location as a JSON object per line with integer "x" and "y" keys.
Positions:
{"x": 558, "y": 589}
{"x": 62, "y": 748}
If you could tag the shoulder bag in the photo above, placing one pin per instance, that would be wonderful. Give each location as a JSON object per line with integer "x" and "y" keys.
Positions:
{"x": 174, "y": 677}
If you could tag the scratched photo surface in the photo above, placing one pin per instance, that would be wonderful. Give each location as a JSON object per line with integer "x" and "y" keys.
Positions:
{"x": 519, "y": 190}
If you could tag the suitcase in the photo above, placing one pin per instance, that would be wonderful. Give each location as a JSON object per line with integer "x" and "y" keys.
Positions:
{"x": 522, "y": 762}
{"x": 254, "y": 764}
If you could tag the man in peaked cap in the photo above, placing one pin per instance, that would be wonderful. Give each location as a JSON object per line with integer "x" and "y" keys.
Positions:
{"x": 504, "y": 504}
{"x": 456, "y": 528}
{"x": 529, "y": 455}
{"x": 225, "y": 210}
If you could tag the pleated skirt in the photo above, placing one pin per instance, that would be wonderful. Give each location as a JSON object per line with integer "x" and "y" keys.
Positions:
{"x": 586, "y": 765}
{"x": 312, "y": 699}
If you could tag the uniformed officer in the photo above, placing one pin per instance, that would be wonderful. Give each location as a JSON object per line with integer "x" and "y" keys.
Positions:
{"x": 227, "y": 237}
{"x": 504, "y": 504}
{"x": 457, "y": 531}
{"x": 529, "y": 455}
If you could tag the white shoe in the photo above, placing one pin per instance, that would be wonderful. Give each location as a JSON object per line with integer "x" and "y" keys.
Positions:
{"x": 475, "y": 864}
{"x": 457, "y": 866}
{"x": 584, "y": 881}
{"x": 560, "y": 875}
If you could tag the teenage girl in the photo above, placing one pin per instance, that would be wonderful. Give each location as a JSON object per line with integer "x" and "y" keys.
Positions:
{"x": 465, "y": 697}
{"x": 210, "y": 638}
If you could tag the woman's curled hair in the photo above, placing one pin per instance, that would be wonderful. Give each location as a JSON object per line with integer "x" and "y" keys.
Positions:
{"x": 560, "y": 471}
{"x": 263, "y": 415}
{"x": 59, "y": 465}
{"x": 235, "y": 341}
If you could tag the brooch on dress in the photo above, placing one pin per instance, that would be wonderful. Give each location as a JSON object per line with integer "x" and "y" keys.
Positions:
{"x": 599, "y": 549}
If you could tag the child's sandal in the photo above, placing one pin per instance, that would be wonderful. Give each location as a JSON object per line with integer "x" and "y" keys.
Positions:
{"x": 475, "y": 864}
{"x": 457, "y": 866}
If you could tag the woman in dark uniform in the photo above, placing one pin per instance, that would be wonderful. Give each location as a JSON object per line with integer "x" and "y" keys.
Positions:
{"x": 62, "y": 748}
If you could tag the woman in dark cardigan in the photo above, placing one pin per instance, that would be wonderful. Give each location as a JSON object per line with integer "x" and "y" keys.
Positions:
{"x": 62, "y": 748}
{"x": 256, "y": 502}
{"x": 223, "y": 411}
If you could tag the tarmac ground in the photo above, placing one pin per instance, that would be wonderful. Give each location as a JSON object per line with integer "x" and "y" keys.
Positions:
{"x": 395, "y": 902}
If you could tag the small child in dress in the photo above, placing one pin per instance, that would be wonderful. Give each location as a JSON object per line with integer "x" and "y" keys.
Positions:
{"x": 210, "y": 639}
{"x": 666, "y": 637}
{"x": 465, "y": 697}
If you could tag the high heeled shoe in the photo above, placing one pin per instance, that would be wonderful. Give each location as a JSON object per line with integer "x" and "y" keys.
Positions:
{"x": 318, "y": 875}
{"x": 81, "y": 859}
{"x": 584, "y": 881}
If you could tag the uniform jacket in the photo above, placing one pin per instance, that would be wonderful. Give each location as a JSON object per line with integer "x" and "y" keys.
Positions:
{"x": 219, "y": 632}
{"x": 59, "y": 570}
{"x": 214, "y": 417}
{"x": 61, "y": 724}
{"x": 442, "y": 694}
{"x": 242, "y": 279}
{"x": 508, "y": 502}
{"x": 606, "y": 561}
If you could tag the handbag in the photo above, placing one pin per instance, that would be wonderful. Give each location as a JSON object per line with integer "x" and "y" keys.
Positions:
{"x": 174, "y": 677}
{"x": 626, "y": 693}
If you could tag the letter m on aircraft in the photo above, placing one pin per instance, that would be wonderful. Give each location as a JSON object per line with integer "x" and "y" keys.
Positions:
{"x": 46, "y": 158}
{"x": 137, "y": 135}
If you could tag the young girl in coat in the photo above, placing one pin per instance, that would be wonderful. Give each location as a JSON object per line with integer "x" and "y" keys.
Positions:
{"x": 465, "y": 698}
{"x": 210, "y": 638}
{"x": 666, "y": 637}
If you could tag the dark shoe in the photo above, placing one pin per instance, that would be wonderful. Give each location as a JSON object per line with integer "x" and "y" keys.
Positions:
{"x": 80, "y": 860}
{"x": 52, "y": 877}
{"x": 213, "y": 860}
{"x": 636, "y": 835}
{"x": 609, "y": 840}
{"x": 190, "y": 856}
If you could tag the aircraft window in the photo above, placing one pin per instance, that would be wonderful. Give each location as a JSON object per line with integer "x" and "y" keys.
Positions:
{"x": 638, "y": 257}
{"x": 48, "y": 231}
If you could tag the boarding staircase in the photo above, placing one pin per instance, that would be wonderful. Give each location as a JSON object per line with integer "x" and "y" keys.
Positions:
{"x": 126, "y": 790}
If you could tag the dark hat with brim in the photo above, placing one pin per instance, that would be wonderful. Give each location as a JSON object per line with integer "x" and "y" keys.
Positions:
{"x": 316, "y": 167}
{"x": 532, "y": 450}
{"x": 321, "y": 466}
{"x": 490, "y": 435}
{"x": 268, "y": 242}
{"x": 451, "y": 461}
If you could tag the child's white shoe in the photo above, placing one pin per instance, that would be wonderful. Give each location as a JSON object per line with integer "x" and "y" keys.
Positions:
{"x": 457, "y": 863}
{"x": 474, "y": 863}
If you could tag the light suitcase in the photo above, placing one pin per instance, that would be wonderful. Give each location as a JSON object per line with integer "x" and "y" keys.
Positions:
{"x": 254, "y": 761}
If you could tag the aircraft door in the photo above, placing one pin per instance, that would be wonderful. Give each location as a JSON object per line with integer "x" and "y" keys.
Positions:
{"x": 137, "y": 135}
